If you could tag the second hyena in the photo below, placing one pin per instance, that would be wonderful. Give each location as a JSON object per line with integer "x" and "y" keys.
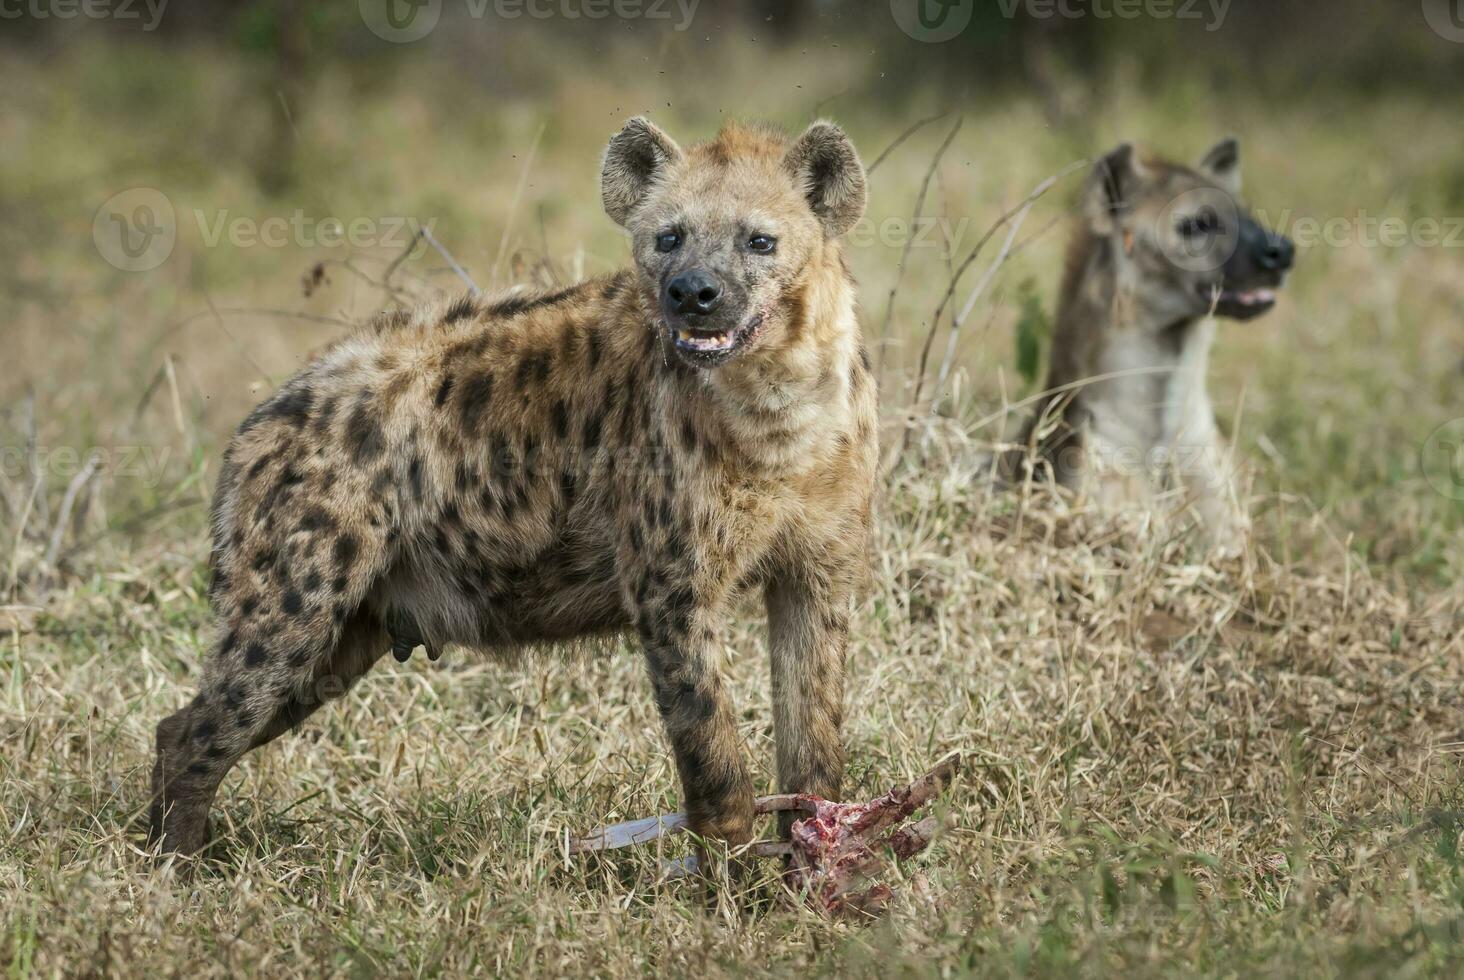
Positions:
{"x": 627, "y": 454}
{"x": 1161, "y": 249}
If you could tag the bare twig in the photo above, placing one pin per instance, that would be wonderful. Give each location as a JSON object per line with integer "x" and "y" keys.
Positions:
{"x": 910, "y": 131}
{"x": 910, "y": 240}
{"x": 68, "y": 501}
{"x": 442, "y": 251}
{"x": 518, "y": 194}
{"x": 1019, "y": 213}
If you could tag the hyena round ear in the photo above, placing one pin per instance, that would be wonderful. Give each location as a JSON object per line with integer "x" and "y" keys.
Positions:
{"x": 636, "y": 158}
{"x": 1111, "y": 188}
{"x": 825, "y": 165}
{"x": 1222, "y": 164}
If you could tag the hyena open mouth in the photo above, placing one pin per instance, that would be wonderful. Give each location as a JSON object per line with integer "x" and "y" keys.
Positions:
{"x": 693, "y": 340}
{"x": 1239, "y": 304}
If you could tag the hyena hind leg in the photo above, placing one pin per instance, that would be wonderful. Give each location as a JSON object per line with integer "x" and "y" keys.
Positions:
{"x": 253, "y": 692}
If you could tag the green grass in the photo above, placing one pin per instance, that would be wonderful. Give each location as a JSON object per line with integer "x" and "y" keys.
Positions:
{"x": 1236, "y": 770}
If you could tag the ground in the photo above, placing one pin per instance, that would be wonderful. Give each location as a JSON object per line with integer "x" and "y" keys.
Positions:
{"x": 1174, "y": 768}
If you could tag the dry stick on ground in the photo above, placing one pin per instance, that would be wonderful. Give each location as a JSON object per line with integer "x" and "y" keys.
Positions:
{"x": 884, "y": 332}
{"x": 68, "y": 501}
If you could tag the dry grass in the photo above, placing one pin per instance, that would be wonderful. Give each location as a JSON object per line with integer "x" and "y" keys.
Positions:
{"x": 1178, "y": 768}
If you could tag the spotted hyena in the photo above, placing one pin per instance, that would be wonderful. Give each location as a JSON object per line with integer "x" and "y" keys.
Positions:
{"x": 1161, "y": 249}
{"x": 631, "y": 453}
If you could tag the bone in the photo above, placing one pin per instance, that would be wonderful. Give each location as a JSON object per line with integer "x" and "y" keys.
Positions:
{"x": 834, "y": 847}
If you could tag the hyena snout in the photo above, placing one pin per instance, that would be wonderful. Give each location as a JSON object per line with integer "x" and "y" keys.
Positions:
{"x": 695, "y": 292}
{"x": 1269, "y": 250}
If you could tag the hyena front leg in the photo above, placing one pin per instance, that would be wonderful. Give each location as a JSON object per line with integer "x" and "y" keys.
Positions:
{"x": 808, "y": 628}
{"x": 680, "y": 642}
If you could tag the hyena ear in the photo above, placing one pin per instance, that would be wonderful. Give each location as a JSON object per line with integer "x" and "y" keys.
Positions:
{"x": 1111, "y": 188}
{"x": 825, "y": 165}
{"x": 636, "y": 158}
{"x": 1222, "y": 164}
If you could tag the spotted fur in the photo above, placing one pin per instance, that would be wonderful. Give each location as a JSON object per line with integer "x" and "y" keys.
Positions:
{"x": 536, "y": 469}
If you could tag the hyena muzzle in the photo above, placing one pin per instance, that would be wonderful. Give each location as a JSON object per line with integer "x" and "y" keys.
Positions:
{"x": 626, "y": 455}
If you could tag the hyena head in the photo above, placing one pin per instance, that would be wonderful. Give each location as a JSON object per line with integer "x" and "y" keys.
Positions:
{"x": 724, "y": 233}
{"x": 1183, "y": 242}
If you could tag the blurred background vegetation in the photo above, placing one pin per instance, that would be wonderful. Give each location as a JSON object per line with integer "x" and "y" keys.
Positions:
{"x": 488, "y": 128}
{"x": 1248, "y": 769}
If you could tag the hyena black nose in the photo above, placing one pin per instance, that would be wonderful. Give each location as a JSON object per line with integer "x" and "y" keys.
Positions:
{"x": 1277, "y": 253}
{"x": 694, "y": 292}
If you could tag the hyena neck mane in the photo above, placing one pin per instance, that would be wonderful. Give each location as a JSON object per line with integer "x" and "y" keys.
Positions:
{"x": 1125, "y": 369}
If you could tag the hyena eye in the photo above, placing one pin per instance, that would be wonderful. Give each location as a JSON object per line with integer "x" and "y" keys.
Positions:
{"x": 762, "y": 243}
{"x": 668, "y": 241}
{"x": 1205, "y": 222}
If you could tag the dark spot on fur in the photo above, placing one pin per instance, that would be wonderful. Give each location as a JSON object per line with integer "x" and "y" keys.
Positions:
{"x": 255, "y": 654}
{"x": 312, "y": 582}
{"x": 391, "y": 320}
{"x": 561, "y": 419}
{"x": 591, "y": 435}
{"x": 414, "y": 477}
{"x": 688, "y": 435}
{"x": 533, "y": 367}
{"x": 338, "y": 584}
{"x": 346, "y": 549}
{"x": 325, "y": 415}
{"x": 363, "y": 433}
{"x": 443, "y": 391}
{"x": 293, "y": 405}
{"x": 257, "y": 467}
{"x": 461, "y": 309}
{"x": 288, "y": 478}
{"x": 592, "y": 340}
{"x": 515, "y": 305}
{"x": 292, "y": 603}
{"x": 476, "y": 395}
{"x": 316, "y": 519}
